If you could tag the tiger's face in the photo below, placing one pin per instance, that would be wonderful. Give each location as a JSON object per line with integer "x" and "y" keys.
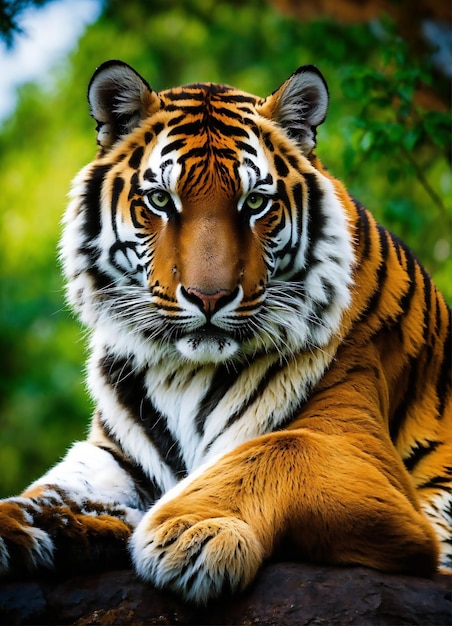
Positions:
{"x": 202, "y": 229}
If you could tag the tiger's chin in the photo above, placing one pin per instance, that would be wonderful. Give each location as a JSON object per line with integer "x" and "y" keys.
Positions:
{"x": 206, "y": 348}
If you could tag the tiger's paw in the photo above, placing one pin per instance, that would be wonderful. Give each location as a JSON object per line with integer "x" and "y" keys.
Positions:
{"x": 43, "y": 532}
{"x": 199, "y": 559}
{"x": 23, "y": 547}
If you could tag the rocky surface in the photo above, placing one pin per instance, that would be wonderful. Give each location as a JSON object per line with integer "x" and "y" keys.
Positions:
{"x": 284, "y": 594}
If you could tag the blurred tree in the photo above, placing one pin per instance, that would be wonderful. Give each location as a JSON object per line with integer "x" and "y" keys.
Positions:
{"x": 10, "y": 13}
{"x": 364, "y": 141}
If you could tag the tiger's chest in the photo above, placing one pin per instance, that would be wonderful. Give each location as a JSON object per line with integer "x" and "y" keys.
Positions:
{"x": 188, "y": 415}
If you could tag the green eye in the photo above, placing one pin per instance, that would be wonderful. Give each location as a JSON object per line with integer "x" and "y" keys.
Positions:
{"x": 160, "y": 202}
{"x": 160, "y": 199}
{"x": 255, "y": 201}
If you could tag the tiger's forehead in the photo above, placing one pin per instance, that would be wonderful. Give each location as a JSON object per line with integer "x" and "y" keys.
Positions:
{"x": 204, "y": 94}
{"x": 209, "y": 112}
{"x": 208, "y": 138}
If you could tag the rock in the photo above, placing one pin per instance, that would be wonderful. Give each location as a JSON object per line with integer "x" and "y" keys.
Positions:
{"x": 284, "y": 594}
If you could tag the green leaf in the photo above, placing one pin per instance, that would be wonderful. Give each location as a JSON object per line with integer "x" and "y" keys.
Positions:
{"x": 393, "y": 175}
{"x": 412, "y": 137}
{"x": 438, "y": 128}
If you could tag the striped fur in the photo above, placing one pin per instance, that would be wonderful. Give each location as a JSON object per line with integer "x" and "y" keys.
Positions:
{"x": 270, "y": 366}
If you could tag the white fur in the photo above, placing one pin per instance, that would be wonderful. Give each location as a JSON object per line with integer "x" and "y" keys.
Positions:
{"x": 196, "y": 558}
{"x": 90, "y": 473}
{"x": 126, "y": 430}
{"x": 4, "y": 557}
{"x": 303, "y": 106}
{"x": 167, "y": 175}
{"x": 437, "y": 512}
{"x": 42, "y": 548}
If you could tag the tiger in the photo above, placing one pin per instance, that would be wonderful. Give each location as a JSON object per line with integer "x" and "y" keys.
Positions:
{"x": 269, "y": 366}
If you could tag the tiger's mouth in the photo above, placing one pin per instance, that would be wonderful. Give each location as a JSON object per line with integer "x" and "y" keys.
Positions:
{"x": 208, "y": 344}
{"x": 210, "y": 332}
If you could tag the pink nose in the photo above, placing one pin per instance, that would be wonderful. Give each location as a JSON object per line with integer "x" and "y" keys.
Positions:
{"x": 207, "y": 301}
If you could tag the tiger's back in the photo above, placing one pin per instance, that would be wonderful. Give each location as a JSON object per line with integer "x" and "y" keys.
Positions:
{"x": 400, "y": 312}
{"x": 267, "y": 362}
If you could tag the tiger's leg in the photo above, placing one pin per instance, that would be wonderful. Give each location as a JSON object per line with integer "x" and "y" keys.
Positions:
{"x": 323, "y": 493}
{"x": 77, "y": 516}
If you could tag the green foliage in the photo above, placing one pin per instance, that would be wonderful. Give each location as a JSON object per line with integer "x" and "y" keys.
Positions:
{"x": 389, "y": 120}
{"x": 376, "y": 139}
{"x": 396, "y": 137}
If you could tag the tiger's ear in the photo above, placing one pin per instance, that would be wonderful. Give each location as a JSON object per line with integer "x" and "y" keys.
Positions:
{"x": 119, "y": 99}
{"x": 299, "y": 106}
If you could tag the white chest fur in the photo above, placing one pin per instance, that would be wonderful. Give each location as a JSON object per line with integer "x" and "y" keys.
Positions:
{"x": 205, "y": 411}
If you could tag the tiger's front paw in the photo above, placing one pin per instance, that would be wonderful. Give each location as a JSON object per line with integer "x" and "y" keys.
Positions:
{"x": 197, "y": 558}
{"x": 23, "y": 547}
{"x": 44, "y": 532}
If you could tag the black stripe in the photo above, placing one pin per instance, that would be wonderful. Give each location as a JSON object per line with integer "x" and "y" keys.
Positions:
{"x": 427, "y": 303}
{"x": 316, "y": 221}
{"x": 147, "y": 489}
{"x": 438, "y": 482}
{"x": 193, "y": 93}
{"x": 134, "y": 186}
{"x": 418, "y": 453}
{"x": 443, "y": 386}
{"x": 233, "y": 115}
{"x": 412, "y": 264}
{"x": 405, "y": 300}
{"x": 222, "y": 381}
{"x": 229, "y": 130}
{"x": 92, "y": 224}
{"x": 428, "y": 289}
{"x": 177, "y": 144}
{"x": 381, "y": 274}
{"x": 150, "y": 175}
{"x": 130, "y": 389}
{"x": 297, "y": 193}
{"x": 118, "y": 186}
{"x": 399, "y": 416}
{"x": 190, "y": 128}
{"x": 136, "y": 157}
{"x": 174, "y": 121}
{"x": 192, "y": 153}
{"x": 259, "y": 390}
{"x": 363, "y": 228}
{"x": 91, "y": 201}
{"x": 398, "y": 249}
{"x": 158, "y": 127}
{"x": 281, "y": 166}
{"x": 241, "y": 145}
{"x": 438, "y": 319}
{"x": 267, "y": 138}
{"x": 231, "y": 97}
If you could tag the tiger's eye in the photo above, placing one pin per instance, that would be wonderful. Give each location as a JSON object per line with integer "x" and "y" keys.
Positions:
{"x": 255, "y": 201}
{"x": 160, "y": 199}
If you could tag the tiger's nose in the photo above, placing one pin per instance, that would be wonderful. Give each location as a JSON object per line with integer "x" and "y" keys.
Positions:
{"x": 207, "y": 302}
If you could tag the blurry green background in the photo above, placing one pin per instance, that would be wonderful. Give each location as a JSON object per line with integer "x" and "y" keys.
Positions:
{"x": 387, "y": 136}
